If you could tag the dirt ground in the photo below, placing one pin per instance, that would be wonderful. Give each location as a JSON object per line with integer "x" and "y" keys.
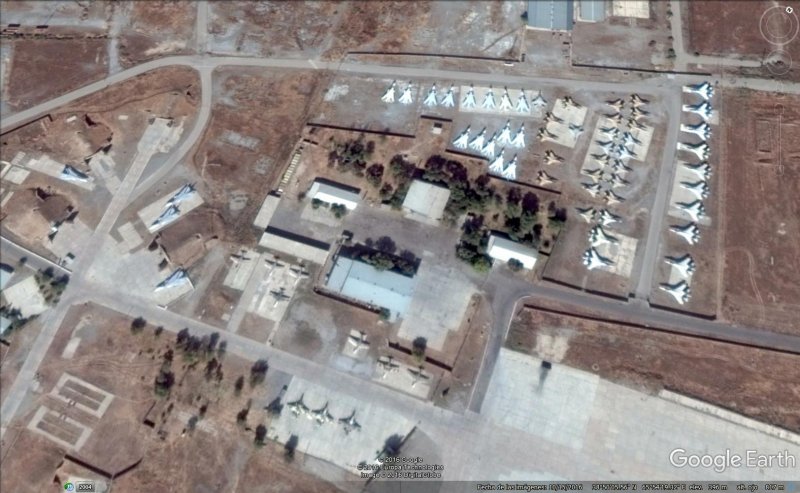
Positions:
{"x": 156, "y": 29}
{"x": 45, "y": 68}
{"x": 757, "y": 383}
{"x": 124, "y": 363}
{"x": 761, "y": 179}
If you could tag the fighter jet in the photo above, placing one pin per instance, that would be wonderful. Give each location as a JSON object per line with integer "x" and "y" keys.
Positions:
{"x": 617, "y": 104}
{"x": 544, "y": 179}
{"x": 430, "y": 99}
{"x": 592, "y": 188}
{"x": 703, "y": 109}
{"x": 702, "y": 130}
{"x": 175, "y": 279}
{"x": 607, "y": 218}
{"x": 69, "y": 173}
{"x": 358, "y": 340}
{"x": 488, "y": 148}
{"x": 448, "y": 101}
{"x": 462, "y": 140}
{"x": 704, "y": 89}
{"x": 587, "y": 214}
{"x": 613, "y": 198}
{"x": 406, "y": 98}
{"x": 505, "y": 102}
{"x": 550, "y": 117}
{"x": 388, "y": 96}
{"x": 617, "y": 181}
{"x": 387, "y": 364}
{"x": 477, "y": 142}
{"x": 607, "y": 145}
{"x": 624, "y": 153}
{"x": 522, "y": 103}
{"x": 418, "y": 376}
{"x": 488, "y": 100}
{"x": 619, "y": 166}
{"x": 601, "y": 158}
{"x": 545, "y": 134}
{"x": 633, "y": 123}
{"x": 637, "y": 113}
{"x": 609, "y": 132}
{"x": 575, "y": 130}
{"x": 170, "y": 214}
{"x": 695, "y": 209}
{"x": 629, "y": 140}
{"x": 568, "y": 101}
{"x": 598, "y": 236}
{"x": 497, "y": 165}
{"x": 690, "y": 232}
{"x": 699, "y": 188}
{"x": 638, "y": 100}
{"x": 298, "y": 407}
{"x": 519, "y": 137}
{"x": 701, "y": 150}
{"x": 680, "y": 291}
{"x": 685, "y": 265}
{"x": 594, "y": 174}
{"x": 349, "y": 423}
{"x": 510, "y": 170}
{"x": 702, "y": 170}
{"x": 539, "y": 102}
{"x": 614, "y": 117}
{"x": 593, "y": 260}
{"x": 505, "y": 134}
{"x": 552, "y": 158}
{"x": 469, "y": 99}
{"x": 322, "y": 415}
{"x": 184, "y": 193}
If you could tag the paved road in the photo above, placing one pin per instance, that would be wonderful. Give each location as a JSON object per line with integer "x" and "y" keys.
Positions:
{"x": 11, "y": 250}
{"x": 201, "y": 29}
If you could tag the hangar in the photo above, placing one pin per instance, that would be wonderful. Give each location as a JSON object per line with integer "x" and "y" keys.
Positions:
{"x": 334, "y": 193}
{"x": 504, "y": 250}
{"x": 426, "y": 200}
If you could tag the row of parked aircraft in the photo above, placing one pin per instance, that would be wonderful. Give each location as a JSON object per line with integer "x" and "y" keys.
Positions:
{"x": 487, "y": 146}
{"x": 171, "y": 210}
{"x": 506, "y": 169}
{"x": 323, "y": 415}
{"x": 490, "y": 101}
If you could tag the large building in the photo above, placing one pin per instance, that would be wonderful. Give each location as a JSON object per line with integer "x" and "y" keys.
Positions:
{"x": 592, "y": 10}
{"x": 553, "y": 15}
{"x": 334, "y": 193}
{"x": 363, "y": 282}
{"x": 426, "y": 200}
{"x": 294, "y": 245}
{"x": 503, "y": 249}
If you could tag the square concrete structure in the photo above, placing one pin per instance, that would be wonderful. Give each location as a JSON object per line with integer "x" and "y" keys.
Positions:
{"x": 631, "y": 8}
{"x": 503, "y": 249}
{"x": 363, "y": 282}
{"x": 426, "y": 200}
{"x": 26, "y": 297}
{"x": 334, "y": 194}
{"x": 294, "y": 245}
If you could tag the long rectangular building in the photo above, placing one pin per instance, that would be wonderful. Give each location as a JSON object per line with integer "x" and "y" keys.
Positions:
{"x": 553, "y": 15}
{"x": 363, "y": 282}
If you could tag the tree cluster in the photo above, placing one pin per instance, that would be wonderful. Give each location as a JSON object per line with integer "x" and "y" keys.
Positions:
{"x": 464, "y": 195}
{"x": 51, "y": 286}
{"x": 403, "y": 173}
{"x": 472, "y": 245}
{"x": 258, "y": 372}
{"x": 165, "y": 378}
{"x": 521, "y": 217}
{"x": 351, "y": 156}
{"x": 194, "y": 348}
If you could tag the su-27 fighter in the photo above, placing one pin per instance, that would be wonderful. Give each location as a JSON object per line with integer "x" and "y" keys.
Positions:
{"x": 430, "y": 99}
{"x": 700, "y": 150}
{"x": 448, "y": 101}
{"x": 699, "y": 188}
{"x": 469, "y": 98}
{"x": 703, "y": 109}
{"x": 388, "y": 96}
{"x": 505, "y": 101}
{"x": 322, "y": 415}
{"x": 689, "y": 232}
{"x": 551, "y": 158}
{"x": 702, "y": 170}
{"x": 685, "y": 265}
{"x": 702, "y": 130}
{"x": 349, "y": 423}
{"x": 704, "y": 89}
{"x": 695, "y": 209}
{"x": 539, "y": 102}
{"x": 543, "y": 178}
{"x": 488, "y": 100}
{"x": 298, "y": 407}
{"x": 593, "y": 260}
{"x": 680, "y": 291}
{"x": 184, "y": 193}
{"x": 598, "y": 237}
{"x": 406, "y": 98}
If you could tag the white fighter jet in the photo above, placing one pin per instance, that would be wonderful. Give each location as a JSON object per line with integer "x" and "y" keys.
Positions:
{"x": 550, "y": 117}
{"x": 349, "y": 423}
{"x": 477, "y": 142}
{"x": 702, "y": 130}
{"x": 614, "y": 117}
{"x": 488, "y": 148}
{"x": 469, "y": 98}
{"x": 575, "y": 130}
{"x": 685, "y": 265}
{"x": 598, "y": 236}
{"x": 638, "y": 100}
{"x": 417, "y": 375}
{"x": 430, "y": 99}
{"x": 703, "y": 89}
{"x": 613, "y": 198}
{"x": 462, "y": 139}
{"x": 505, "y": 134}
{"x": 618, "y": 181}
{"x": 703, "y": 109}
{"x": 539, "y": 102}
{"x": 609, "y": 132}
{"x": 617, "y": 104}
{"x": 638, "y": 113}
{"x": 298, "y": 407}
{"x": 510, "y": 170}
{"x": 519, "y": 138}
{"x": 568, "y": 101}
{"x": 629, "y": 140}
{"x": 406, "y": 98}
{"x": 595, "y": 174}
{"x": 607, "y": 145}
{"x": 184, "y": 193}
{"x": 607, "y": 217}
{"x": 170, "y": 214}
{"x": 505, "y": 102}
{"x": 488, "y": 101}
{"x": 699, "y": 189}
{"x": 358, "y": 340}
{"x": 695, "y": 209}
{"x": 387, "y": 365}
{"x": 545, "y": 179}
{"x": 592, "y": 188}
{"x": 497, "y": 165}
{"x": 633, "y": 123}
{"x": 70, "y": 173}
{"x": 701, "y": 170}
{"x": 701, "y": 150}
{"x": 552, "y": 158}
{"x": 522, "y": 103}
{"x": 601, "y": 158}
{"x": 449, "y": 99}
{"x": 322, "y": 415}
{"x": 587, "y": 214}
{"x": 593, "y": 260}
{"x": 545, "y": 134}
{"x": 619, "y": 166}
{"x": 680, "y": 291}
{"x": 177, "y": 278}
{"x": 690, "y": 232}
{"x": 388, "y": 96}
{"x": 624, "y": 153}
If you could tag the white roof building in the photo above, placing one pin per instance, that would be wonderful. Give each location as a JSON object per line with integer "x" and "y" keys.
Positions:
{"x": 333, "y": 194}
{"x": 504, "y": 249}
{"x": 426, "y": 199}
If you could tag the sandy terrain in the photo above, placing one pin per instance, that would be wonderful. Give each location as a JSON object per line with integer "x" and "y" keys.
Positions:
{"x": 156, "y": 29}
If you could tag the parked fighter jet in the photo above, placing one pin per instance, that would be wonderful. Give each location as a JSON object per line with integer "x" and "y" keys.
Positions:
{"x": 614, "y": 117}
{"x": 387, "y": 364}
{"x": 552, "y": 158}
{"x": 617, "y": 104}
{"x": 539, "y": 102}
{"x": 685, "y": 265}
{"x": 592, "y": 188}
{"x": 550, "y": 117}
{"x": 702, "y": 130}
{"x": 594, "y": 174}
{"x": 702, "y": 170}
{"x": 638, "y": 100}
{"x": 699, "y": 189}
{"x": 609, "y": 132}
{"x": 477, "y": 142}
{"x": 624, "y": 153}
{"x": 497, "y": 165}
{"x": 598, "y": 236}
{"x": 448, "y": 101}
{"x": 322, "y": 415}
{"x": 462, "y": 139}
{"x": 349, "y": 423}
{"x": 488, "y": 100}
{"x": 505, "y": 134}
{"x": 575, "y": 130}
{"x": 170, "y": 214}
{"x": 488, "y": 148}
{"x": 704, "y": 89}
{"x": 388, "y": 96}
{"x": 703, "y": 109}
{"x": 629, "y": 140}
{"x": 418, "y": 376}
{"x": 690, "y": 232}
{"x": 607, "y": 145}
{"x": 613, "y": 198}
{"x": 633, "y": 123}
{"x": 601, "y": 158}
{"x": 545, "y": 134}
{"x": 505, "y": 102}
{"x": 695, "y": 209}
{"x": 638, "y": 113}
{"x": 184, "y": 193}
{"x": 545, "y": 179}
{"x": 619, "y": 166}
{"x": 510, "y": 170}
{"x": 568, "y": 101}
{"x": 522, "y": 103}
{"x": 175, "y": 279}
{"x": 298, "y": 407}
{"x": 519, "y": 138}
{"x": 587, "y": 214}
{"x": 607, "y": 218}
{"x": 618, "y": 181}
{"x": 406, "y": 98}
{"x": 680, "y": 291}
{"x": 469, "y": 98}
{"x": 594, "y": 260}
{"x": 69, "y": 173}
{"x": 358, "y": 340}
{"x": 430, "y": 99}
{"x": 701, "y": 150}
